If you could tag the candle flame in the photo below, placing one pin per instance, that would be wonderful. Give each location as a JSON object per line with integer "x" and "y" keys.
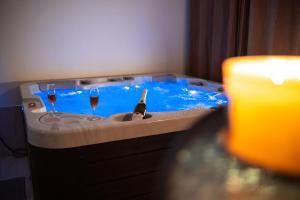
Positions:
{"x": 276, "y": 69}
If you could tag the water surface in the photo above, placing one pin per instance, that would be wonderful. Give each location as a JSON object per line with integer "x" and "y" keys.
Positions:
{"x": 162, "y": 97}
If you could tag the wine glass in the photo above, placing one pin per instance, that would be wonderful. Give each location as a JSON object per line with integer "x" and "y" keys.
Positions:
{"x": 51, "y": 94}
{"x": 94, "y": 99}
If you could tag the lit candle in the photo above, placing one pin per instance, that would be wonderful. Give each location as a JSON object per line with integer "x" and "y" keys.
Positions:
{"x": 264, "y": 111}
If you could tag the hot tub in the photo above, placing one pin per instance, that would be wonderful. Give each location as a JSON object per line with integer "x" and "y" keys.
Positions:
{"x": 73, "y": 157}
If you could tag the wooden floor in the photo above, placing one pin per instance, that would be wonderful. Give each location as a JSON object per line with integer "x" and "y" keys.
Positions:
{"x": 11, "y": 167}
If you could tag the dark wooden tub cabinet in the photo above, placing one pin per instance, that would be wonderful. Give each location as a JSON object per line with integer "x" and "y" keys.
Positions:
{"x": 125, "y": 169}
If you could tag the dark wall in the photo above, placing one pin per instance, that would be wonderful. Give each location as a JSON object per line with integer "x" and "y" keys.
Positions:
{"x": 11, "y": 129}
{"x": 10, "y": 94}
{"x": 11, "y": 117}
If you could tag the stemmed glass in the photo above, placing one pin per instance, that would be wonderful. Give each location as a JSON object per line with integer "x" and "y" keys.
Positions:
{"x": 94, "y": 99}
{"x": 51, "y": 96}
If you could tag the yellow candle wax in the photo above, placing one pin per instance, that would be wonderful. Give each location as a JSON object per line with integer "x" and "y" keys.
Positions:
{"x": 264, "y": 111}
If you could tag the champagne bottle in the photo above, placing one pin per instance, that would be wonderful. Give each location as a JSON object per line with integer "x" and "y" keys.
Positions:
{"x": 140, "y": 108}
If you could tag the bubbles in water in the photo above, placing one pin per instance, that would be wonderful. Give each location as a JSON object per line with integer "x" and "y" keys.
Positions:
{"x": 212, "y": 98}
{"x": 161, "y": 90}
{"x": 72, "y": 93}
{"x": 193, "y": 92}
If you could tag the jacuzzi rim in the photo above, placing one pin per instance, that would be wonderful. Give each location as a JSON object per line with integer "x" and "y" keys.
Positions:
{"x": 73, "y": 136}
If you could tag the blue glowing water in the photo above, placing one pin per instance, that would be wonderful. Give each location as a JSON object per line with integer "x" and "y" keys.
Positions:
{"x": 162, "y": 97}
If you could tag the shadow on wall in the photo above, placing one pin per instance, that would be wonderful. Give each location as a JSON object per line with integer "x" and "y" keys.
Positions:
{"x": 10, "y": 94}
{"x": 12, "y": 129}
